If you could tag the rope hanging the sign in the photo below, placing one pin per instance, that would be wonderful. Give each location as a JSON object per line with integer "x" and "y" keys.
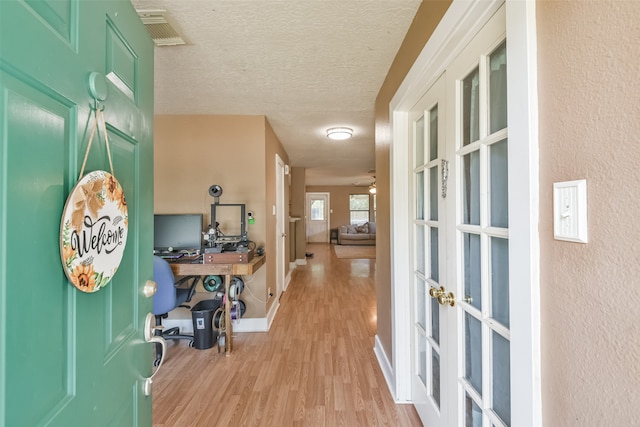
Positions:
{"x": 98, "y": 113}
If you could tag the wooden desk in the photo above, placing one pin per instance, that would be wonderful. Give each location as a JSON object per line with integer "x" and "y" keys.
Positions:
{"x": 226, "y": 270}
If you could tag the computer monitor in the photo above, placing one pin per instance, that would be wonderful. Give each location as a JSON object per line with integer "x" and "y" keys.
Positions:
{"x": 177, "y": 231}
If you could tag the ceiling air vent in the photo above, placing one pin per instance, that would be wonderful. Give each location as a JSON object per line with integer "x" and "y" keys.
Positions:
{"x": 159, "y": 27}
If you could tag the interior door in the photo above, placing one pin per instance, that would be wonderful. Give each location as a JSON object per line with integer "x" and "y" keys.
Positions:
{"x": 69, "y": 357}
{"x": 478, "y": 89}
{"x": 317, "y": 208}
{"x": 281, "y": 223}
{"x": 429, "y": 320}
{"x": 461, "y": 342}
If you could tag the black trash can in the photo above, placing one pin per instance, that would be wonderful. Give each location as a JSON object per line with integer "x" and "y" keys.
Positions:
{"x": 204, "y": 336}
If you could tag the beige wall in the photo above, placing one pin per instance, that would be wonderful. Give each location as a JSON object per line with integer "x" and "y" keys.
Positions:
{"x": 425, "y": 21}
{"x": 194, "y": 152}
{"x": 339, "y": 201}
{"x": 589, "y": 89}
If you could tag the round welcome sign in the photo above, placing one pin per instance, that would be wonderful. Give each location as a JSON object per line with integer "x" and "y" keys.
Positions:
{"x": 93, "y": 231}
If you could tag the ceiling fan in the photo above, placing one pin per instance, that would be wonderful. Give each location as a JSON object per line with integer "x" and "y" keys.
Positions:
{"x": 370, "y": 184}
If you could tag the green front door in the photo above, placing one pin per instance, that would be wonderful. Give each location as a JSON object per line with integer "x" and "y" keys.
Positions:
{"x": 69, "y": 358}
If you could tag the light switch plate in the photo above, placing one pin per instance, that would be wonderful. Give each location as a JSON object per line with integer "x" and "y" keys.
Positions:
{"x": 570, "y": 211}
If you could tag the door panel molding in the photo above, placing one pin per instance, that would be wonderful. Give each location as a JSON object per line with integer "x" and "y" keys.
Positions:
{"x": 59, "y": 15}
{"x": 21, "y": 215}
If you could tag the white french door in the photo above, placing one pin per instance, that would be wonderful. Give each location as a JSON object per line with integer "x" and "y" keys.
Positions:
{"x": 481, "y": 234}
{"x": 460, "y": 285}
{"x": 430, "y": 321}
{"x": 281, "y": 224}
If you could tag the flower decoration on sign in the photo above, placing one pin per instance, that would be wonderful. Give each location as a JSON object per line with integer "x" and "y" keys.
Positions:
{"x": 87, "y": 198}
{"x": 115, "y": 193}
{"x": 83, "y": 277}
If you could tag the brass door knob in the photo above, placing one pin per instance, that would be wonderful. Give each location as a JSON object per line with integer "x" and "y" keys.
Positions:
{"x": 449, "y": 299}
{"x": 436, "y": 293}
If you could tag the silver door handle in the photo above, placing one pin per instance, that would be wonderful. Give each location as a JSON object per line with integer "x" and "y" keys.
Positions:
{"x": 149, "y": 330}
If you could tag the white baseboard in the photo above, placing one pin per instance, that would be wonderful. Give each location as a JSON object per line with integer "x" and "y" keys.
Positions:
{"x": 272, "y": 312}
{"x": 181, "y": 318}
{"x": 301, "y": 261}
{"x": 292, "y": 266}
{"x": 258, "y": 324}
{"x": 386, "y": 367}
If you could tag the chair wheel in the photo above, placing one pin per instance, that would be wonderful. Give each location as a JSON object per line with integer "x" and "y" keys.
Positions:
{"x": 191, "y": 343}
{"x": 156, "y": 362}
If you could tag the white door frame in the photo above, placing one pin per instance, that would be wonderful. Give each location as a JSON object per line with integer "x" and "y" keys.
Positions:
{"x": 461, "y": 22}
{"x": 281, "y": 222}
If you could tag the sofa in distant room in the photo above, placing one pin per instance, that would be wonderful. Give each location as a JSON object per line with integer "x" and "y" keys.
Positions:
{"x": 364, "y": 234}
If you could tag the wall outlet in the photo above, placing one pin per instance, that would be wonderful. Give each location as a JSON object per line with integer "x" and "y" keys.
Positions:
{"x": 269, "y": 294}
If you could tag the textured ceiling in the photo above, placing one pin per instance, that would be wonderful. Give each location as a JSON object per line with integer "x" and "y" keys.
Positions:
{"x": 306, "y": 65}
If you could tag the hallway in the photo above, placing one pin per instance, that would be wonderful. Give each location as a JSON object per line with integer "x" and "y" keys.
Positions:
{"x": 315, "y": 367}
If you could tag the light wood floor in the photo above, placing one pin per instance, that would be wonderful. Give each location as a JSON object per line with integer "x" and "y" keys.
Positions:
{"x": 315, "y": 367}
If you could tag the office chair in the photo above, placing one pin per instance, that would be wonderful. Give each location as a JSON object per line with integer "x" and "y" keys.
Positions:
{"x": 169, "y": 296}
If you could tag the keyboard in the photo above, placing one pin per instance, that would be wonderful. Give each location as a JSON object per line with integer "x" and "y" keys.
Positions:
{"x": 171, "y": 256}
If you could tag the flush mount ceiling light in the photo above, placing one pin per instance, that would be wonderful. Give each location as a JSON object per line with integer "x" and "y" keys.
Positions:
{"x": 339, "y": 133}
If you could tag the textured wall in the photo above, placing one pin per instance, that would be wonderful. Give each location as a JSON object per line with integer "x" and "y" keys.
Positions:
{"x": 589, "y": 87}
